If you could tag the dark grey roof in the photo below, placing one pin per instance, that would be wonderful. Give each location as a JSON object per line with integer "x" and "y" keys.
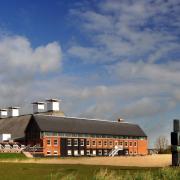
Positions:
{"x": 84, "y": 126}
{"x": 15, "y": 126}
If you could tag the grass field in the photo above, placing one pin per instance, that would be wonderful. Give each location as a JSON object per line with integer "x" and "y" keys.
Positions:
{"x": 20, "y": 171}
{"x": 12, "y": 156}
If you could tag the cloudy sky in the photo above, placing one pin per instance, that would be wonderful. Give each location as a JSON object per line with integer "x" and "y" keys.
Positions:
{"x": 104, "y": 59}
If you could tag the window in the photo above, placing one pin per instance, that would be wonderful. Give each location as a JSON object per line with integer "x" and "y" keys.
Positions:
{"x": 93, "y": 143}
{"x": 130, "y": 144}
{"x": 105, "y": 143}
{"x": 120, "y": 143}
{"x": 82, "y": 142}
{"x": 100, "y": 152}
{"x": 48, "y": 152}
{"x": 130, "y": 152}
{"x": 105, "y": 152}
{"x": 87, "y": 143}
{"x": 135, "y": 143}
{"x": 82, "y": 152}
{"x": 75, "y": 142}
{"x": 55, "y": 153}
{"x": 116, "y": 143}
{"x": 110, "y": 143}
{"x": 55, "y": 142}
{"x": 75, "y": 152}
{"x": 126, "y": 143}
{"x": 48, "y": 142}
{"x": 94, "y": 152}
{"x": 69, "y": 142}
{"x": 88, "y": 152}
{"x": 135, "y": 152}
{"x": 100, "y": 143}
{"x": 69, "y": 152}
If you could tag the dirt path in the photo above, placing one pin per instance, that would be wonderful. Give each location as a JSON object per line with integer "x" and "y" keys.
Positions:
{"x": 139, "y": 161}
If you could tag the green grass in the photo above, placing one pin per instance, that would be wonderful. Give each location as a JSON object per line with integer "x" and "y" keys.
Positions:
{"x": 20, "y": 171}
{"x": 13, "y": 156}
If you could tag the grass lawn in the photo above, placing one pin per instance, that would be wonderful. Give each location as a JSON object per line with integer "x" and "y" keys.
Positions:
{"x": 18, "y": 156}
{"x": 55, "y": 172}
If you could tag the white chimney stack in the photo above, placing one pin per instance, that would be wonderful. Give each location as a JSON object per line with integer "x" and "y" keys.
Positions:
{"x": 3, "y": 113}
{"x": 52, "y": 105}
{"x": 13, "y": 111}
{"x": 38, "y": 107}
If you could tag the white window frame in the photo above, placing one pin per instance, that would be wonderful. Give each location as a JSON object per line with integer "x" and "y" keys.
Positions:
{"x": 105, "y": 152}
{"x": 100, "y": 143}
{"x": 48, "y": 153}
{"x": 47, "y": 142}
{"x": 82, "y": 152}
{"x": 94, "y": 152}
{"x": 82, "y": 141}
{"x": 93, "y": 141}
{"x": 135, "y": 143}
{"x": 69, "y": 152}
{"x": 76, "y": 153}
{"x": 75, "y": 142}
{"x": 56, "y": 153}
{"x": 100, "y": 152}
{"x": 69, "y": 142}
{"x": 88, "y": 144}
{"x": 88, "y": 152}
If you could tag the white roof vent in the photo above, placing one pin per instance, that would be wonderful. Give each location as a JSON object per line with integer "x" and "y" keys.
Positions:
{"x": 38, "y": 107}
{"x": 3, "y": 113}
{"x": 13, "y": 111}
{"x": 52, "y": 105}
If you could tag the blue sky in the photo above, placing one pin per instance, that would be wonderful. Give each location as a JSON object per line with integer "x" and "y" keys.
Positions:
{"x": 104, "y": 59}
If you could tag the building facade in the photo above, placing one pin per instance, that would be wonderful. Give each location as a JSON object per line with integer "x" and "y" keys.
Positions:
{"x": 51, "y": 133}
{"x": 65, "y": 136}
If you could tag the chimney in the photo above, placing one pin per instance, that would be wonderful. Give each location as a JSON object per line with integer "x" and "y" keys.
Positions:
{"x": 13, "y": 111}
{"x": 3, "y": 113}
{"x": 120, "y": 119}
{"x": 52, "y": 105}
{"x": 38, "y": 107}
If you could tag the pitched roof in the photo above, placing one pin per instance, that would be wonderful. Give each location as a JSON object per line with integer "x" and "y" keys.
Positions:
{"x": 15, "y": 126}
{"x": 84, "y": 126}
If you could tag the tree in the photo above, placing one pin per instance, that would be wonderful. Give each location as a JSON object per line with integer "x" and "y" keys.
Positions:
{"x": 161, "y": 144}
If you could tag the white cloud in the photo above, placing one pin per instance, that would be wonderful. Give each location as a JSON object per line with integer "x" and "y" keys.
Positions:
{"x": 130, "y": 30}
{"x": 16, "y": 53}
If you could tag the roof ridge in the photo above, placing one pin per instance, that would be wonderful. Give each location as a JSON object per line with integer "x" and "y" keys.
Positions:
{"x": 87, "y": 119}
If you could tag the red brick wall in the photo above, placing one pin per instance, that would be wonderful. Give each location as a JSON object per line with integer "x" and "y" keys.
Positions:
{"x": 51, "y": 147}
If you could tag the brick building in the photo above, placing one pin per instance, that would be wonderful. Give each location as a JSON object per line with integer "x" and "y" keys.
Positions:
{"x": 58, "y": 135}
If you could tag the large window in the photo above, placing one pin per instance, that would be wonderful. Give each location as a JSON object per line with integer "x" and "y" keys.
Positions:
{"x": 48, "y": 142}
{"x": 69, "y": 152}
{"x": 130, "y": 144}
{"x": 75, "y": 142}
{"x": 69, "y": 142}
{"x": 88, "y": 152}
{"x": 75, "y": 152}
{"x": 100, "y": 152}
{"x": 82, "y": 142}
{"x": 82, "y": 152}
